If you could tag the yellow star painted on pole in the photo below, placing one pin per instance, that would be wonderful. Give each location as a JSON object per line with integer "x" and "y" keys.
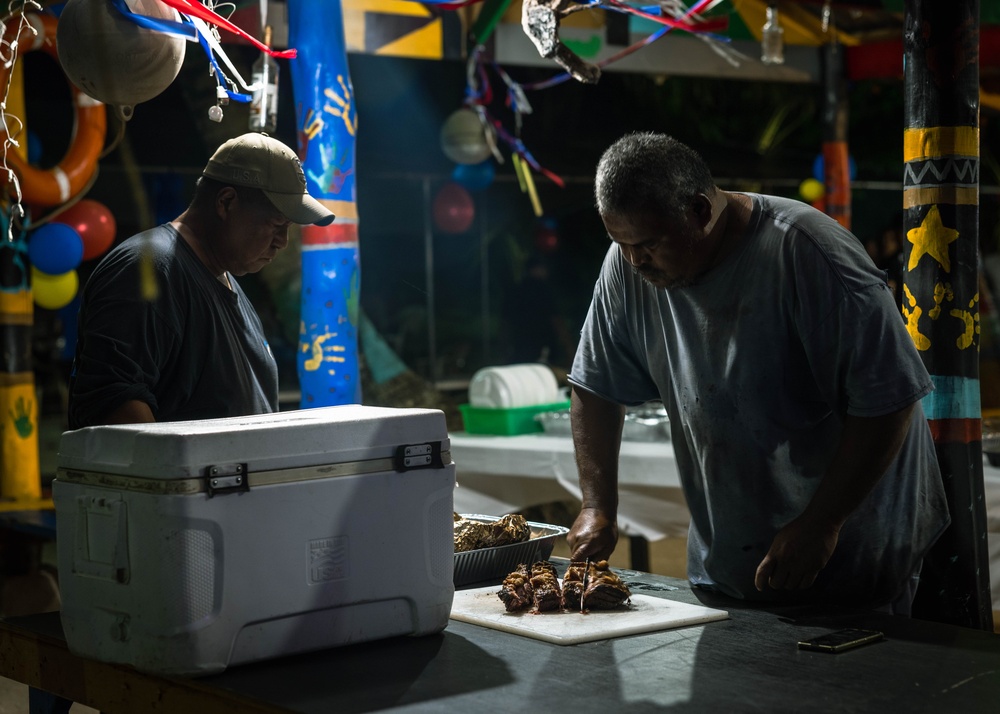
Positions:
{"x": 931, "y": 238}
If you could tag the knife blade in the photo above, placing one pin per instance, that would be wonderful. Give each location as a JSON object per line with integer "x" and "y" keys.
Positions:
{"x": 583, "y": 588}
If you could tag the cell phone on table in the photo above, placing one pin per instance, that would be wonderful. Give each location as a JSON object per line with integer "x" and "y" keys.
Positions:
{"x": 841, "y": 640}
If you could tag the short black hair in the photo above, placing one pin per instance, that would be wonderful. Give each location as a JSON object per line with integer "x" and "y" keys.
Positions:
{"x": 647, "y": 172}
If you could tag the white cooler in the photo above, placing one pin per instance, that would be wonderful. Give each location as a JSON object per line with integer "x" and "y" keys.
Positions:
{"x": 187, "y": 547}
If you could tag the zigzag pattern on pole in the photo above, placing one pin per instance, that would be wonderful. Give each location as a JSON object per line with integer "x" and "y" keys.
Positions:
{"x": 964, "y": 171}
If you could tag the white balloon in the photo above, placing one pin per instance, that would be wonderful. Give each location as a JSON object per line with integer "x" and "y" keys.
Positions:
{"x": 463, "y": 138}
{"x": 112, "y": 59}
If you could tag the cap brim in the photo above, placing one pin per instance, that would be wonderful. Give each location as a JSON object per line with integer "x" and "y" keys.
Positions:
{"x": 301, "y": 208}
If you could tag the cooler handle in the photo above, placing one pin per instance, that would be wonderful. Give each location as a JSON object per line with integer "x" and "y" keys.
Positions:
{"x": 418, "y": 456}
{"x": 226, "y": 478}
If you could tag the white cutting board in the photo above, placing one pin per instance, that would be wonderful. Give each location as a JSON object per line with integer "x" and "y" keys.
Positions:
{"x": 481, "y": 606}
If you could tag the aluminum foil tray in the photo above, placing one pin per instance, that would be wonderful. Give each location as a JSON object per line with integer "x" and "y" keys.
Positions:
{"x": 494, "y": 564}
{"x": 645, "y": 423}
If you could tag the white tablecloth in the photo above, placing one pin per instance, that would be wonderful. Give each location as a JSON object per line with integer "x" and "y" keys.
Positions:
{"x": 501, "y": 474}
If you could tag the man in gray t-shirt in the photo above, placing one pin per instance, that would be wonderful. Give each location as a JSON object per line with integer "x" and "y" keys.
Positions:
{"x": 790, "y": 381}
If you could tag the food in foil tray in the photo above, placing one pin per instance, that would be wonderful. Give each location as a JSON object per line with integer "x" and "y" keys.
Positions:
{"x": 538, "y": 588}
{"x": 473, "y": 535}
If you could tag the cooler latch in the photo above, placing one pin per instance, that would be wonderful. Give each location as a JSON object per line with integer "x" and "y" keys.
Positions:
{"x": 226, "y": 478}
{"x": 418, "y": 456}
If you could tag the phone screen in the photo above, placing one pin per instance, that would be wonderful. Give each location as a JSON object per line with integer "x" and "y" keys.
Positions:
{"x": 841, "y": 640}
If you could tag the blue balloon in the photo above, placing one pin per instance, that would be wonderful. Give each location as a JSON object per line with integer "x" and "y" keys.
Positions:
{"x": 34, "y": 148}
{"x": 55, "y": 248}
{"x": 474, "y": 177}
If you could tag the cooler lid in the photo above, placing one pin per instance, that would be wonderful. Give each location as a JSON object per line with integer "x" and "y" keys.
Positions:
{"x": 264, "y": 442}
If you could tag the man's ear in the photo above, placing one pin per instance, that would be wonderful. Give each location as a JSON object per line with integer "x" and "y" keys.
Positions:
{"x": 701, "y": 206}
{"x": 224, "y": 201}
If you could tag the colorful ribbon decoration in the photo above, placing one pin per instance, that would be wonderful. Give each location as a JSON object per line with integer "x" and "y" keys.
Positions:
{"x": 169, "y": 27}
{"x": 196, "y": 9}
{"x": 194, "y": 29}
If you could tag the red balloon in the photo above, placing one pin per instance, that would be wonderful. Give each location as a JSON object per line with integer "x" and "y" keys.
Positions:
{"x": 453, "y": 209}
{"x": 95, "y": 224}
{"x": 546, "y": 239}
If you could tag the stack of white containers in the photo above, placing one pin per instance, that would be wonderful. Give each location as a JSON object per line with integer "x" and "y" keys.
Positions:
{"x": 516, "y": 385}
{"x": 504, "y": 400}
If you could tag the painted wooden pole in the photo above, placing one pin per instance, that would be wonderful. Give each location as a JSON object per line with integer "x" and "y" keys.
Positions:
{"x": 327, "y": 120}
{"x": 20, "y": 478}
{"x": 20, "y": 470}
{"x": 941, "y": 288}
{"x": 836, "y": 169}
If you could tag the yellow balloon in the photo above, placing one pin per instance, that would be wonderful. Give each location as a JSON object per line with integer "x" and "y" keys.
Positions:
{"x": 812, "y": 189}
{"x": 53, "y": 291}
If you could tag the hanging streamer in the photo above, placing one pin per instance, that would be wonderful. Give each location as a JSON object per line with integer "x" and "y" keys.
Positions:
{"x": 479, "y": 93}
{"x": 327, "y": 119}
{"x": 195, "y": 29}
{"x": 196, "y": 9}
{"x": 156, "y": 24}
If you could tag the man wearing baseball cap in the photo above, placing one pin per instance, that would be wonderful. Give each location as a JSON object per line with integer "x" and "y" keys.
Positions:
{"x": 165, "y": 331}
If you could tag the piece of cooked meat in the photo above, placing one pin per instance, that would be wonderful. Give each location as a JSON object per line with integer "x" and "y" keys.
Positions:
{"x": 605, "y": 590}
{"x": 545, "y": 586}
{"x": 572, "y": 586}
{"x": 516, "y": 591}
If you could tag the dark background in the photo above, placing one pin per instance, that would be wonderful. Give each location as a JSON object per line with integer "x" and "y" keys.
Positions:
{"x": 755, "y": 136}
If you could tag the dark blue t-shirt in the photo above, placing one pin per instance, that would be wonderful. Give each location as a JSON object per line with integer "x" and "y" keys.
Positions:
{"x": 194, "y": 349}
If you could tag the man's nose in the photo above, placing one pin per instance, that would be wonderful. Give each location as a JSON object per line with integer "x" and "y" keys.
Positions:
{"x": 632, "y": 254}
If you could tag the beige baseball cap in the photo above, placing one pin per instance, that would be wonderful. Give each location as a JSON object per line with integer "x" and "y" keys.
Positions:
{"x": 260, "y": 161}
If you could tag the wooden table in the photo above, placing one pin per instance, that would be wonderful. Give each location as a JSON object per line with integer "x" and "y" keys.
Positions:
{"x": 749, "y": 662}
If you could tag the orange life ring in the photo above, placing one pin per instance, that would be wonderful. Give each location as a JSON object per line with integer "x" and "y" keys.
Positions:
{"x": 44, "y": 188}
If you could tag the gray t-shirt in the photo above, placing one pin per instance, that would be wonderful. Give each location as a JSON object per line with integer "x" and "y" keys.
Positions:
{"x": 757, "y": 364}
{"x": 196, "y": 351}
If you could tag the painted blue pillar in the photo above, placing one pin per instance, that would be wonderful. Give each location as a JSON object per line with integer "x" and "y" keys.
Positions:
{"x": 331, "y": 273}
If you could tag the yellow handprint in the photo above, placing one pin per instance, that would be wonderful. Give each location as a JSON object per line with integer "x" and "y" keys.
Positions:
{"x": 942, "y": 292}
{"x": 318, "y": 357}
{"x": 912, "y": 316}
{"x": 313, "y": 363}
{"x": 343, "y": 108}
{"x": 971, "y": 321}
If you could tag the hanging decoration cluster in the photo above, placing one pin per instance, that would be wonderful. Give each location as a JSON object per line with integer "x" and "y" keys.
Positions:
{"x": 472, "y": 135}
{"x": 74, "y": 229}
{"x": 95, "y": 34}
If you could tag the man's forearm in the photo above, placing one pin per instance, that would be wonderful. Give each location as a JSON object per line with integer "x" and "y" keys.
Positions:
{"x": 802, "y": 548}
{"x": 867, "y": 447}
{"x": 597, "y": 431}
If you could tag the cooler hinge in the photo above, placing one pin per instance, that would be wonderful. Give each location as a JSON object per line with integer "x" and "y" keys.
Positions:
{"x": 418, "y": 456}
{"x": 226, "y": 478}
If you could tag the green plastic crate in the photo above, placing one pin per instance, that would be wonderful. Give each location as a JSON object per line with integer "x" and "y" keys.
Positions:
{"x": 506, "y": 422}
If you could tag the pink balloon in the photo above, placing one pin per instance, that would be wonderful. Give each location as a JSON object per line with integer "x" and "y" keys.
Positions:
{"x": 95, "y": 224}
{"x": 453, "y": 209}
